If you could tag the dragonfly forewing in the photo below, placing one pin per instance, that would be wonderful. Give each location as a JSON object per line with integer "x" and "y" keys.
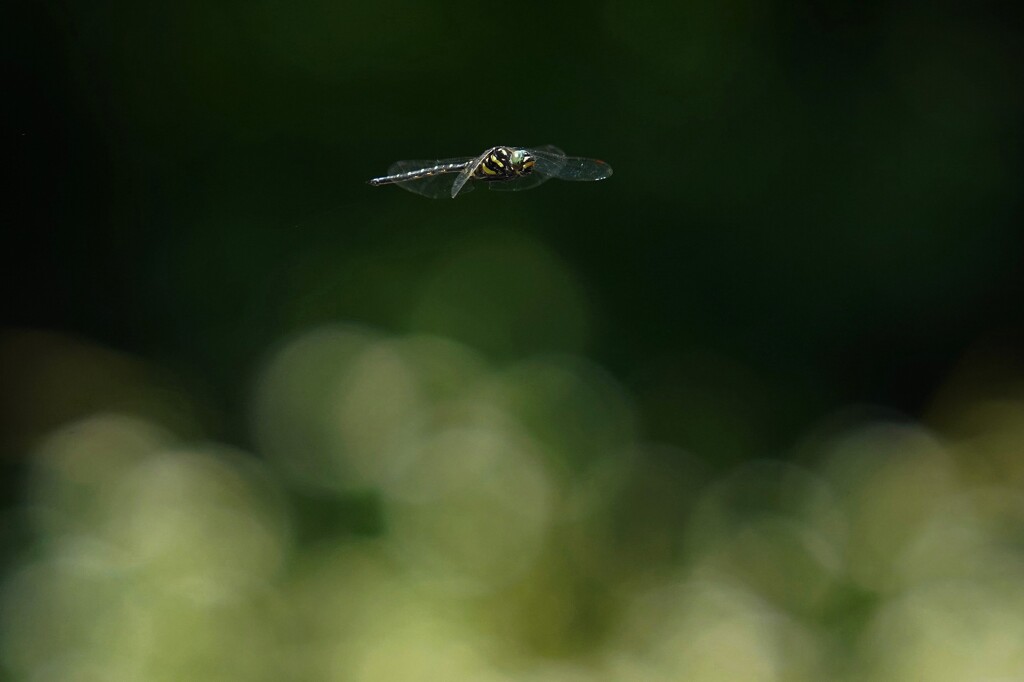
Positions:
{"x": 572, "y": 168}
{"x": 588, "y": 170}
{"x": 467, "y": 173}
{"x": 429, "y": 178}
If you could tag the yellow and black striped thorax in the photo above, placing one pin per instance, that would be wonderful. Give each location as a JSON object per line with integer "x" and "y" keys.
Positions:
{"x": 502, "y": 163}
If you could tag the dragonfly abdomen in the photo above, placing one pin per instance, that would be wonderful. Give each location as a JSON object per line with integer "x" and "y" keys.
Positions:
{"x": 419, "y": 173}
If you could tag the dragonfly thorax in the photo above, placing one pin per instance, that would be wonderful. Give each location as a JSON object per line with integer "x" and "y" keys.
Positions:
{"x": 502, "y": 163}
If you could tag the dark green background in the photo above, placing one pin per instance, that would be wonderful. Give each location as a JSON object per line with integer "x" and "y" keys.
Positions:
{"x": 814, "y": 204}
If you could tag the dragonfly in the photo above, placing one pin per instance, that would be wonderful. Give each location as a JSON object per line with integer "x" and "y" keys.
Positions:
{"x": 501, "y": 168}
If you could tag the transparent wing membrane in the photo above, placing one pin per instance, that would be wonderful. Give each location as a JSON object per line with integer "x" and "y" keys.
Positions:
{"x": 552, "y": 162}
{"x": 435, "y": 185}
{"x": 518, "y": 184}
{"x": 413, "y": 166}
{"x": 463, "y": 179}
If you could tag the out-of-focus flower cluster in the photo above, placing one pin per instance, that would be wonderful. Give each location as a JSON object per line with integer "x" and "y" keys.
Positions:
{"x": 521, "y": 529}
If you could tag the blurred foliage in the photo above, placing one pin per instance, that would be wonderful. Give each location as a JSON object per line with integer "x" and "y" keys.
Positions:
{"x": 517, "y": 527}
{"x": 749, "y": 410}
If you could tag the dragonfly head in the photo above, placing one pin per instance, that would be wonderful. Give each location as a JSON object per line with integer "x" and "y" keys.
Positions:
{"x": 522, "y": 161}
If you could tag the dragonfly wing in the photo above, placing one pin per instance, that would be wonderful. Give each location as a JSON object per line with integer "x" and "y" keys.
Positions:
{"x": 548, "y": 149}
{"x": 551, "y": 161}
{"x": 519, "y": 184}
{"x": 412, "y": 166}
{"x": 432, "y": 186}
{"x": 548, "y": 160}
{"x": 467, "y": 173}
{"x": 576, "y": 168}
